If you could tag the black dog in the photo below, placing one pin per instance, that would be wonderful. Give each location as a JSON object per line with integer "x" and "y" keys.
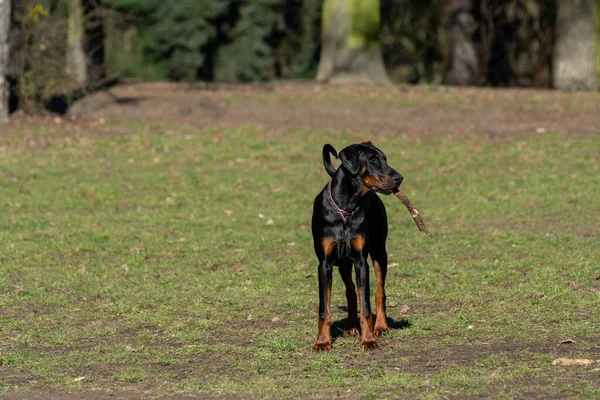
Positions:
{"x": 349, "y": 222}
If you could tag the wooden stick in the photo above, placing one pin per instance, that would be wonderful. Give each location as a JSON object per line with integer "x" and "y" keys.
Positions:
{"x": 413, "y": 212}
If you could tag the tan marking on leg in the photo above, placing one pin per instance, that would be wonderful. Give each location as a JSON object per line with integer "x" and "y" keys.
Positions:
{"x": 358, "y": 243}
{"x": 323, "y": 342}
{"x": 368, "y": 341}
{"x": 328, "y": 245}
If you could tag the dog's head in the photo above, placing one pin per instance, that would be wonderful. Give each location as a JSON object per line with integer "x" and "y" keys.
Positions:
{"x": 370, "y": 163}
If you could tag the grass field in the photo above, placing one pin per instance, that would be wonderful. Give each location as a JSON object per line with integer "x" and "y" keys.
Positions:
{"x": 153, "y": 259}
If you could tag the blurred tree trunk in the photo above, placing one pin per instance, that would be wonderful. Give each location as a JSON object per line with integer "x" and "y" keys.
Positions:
{"x": 464, "y": 58}
{"x": 110, "y": 43}
{"x": 350, "y": 47}
{"x": 597, "y": 25}
{"x": 4, "y": 27}
{"x": 574, "y": 66}
{"x": 76, "y": 60}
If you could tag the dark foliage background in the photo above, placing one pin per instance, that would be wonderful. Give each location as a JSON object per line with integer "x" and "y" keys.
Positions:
{"x": 258, "y": 40}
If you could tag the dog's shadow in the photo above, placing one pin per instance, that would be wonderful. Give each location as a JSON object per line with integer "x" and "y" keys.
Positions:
{"x": 338, "y": 327}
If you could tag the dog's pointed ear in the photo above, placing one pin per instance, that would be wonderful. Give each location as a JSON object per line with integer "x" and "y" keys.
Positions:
{"x": 349, "y": 158}
{"x": 328, "y": 149}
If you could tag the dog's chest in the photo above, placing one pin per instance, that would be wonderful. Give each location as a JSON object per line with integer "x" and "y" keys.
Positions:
{"x": 351, "y": 238}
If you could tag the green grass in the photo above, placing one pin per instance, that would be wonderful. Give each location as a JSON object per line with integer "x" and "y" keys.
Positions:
{"x": 175, "y": 259}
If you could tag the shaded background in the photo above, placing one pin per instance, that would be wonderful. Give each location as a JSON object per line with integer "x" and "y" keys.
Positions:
{"x": 504, "y": 43}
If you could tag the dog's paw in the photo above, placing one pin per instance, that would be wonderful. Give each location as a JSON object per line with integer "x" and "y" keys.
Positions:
{"x": 351, "y": 332}
{"x": 381, "y": 330}
{"x": 369, "y": 343}
{"x": 322, "y": 346}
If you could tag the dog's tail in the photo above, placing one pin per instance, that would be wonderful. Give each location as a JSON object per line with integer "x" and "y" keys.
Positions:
{"x": 327, "y": 149}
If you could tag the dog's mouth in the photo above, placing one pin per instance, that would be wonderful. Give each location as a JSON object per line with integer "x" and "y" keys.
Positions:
{"x": 383, "y": 184}
{"x": 385, "y": 191}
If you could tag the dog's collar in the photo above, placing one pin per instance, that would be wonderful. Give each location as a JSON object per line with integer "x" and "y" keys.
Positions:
{"x": 343, "y": 213}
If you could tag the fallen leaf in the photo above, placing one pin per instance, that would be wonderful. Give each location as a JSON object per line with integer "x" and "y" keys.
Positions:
{"x": 237, "y": 268}
{"x": 249, "y": 318}
{"x": 275, "y": 319}
{"x": 568, "y": 362}
{"x": 404, "y": 309}
{"x": 79, "y": 379}
{"x": 567, "y": 341}
{"x": 301, "y": 267}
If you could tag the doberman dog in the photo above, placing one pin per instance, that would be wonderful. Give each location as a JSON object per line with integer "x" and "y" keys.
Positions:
{"x": 349, "y": 223}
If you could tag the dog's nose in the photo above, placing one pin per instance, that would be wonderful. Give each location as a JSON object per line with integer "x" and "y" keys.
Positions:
{"x": 398, "y": 179}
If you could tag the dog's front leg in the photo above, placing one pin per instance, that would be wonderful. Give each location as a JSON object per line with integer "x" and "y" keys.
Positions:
{"x": 323, "y": 342}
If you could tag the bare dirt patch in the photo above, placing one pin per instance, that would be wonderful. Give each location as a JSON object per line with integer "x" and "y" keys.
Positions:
{"x": 409, "y": 112}
{"x": 380, "y": 110}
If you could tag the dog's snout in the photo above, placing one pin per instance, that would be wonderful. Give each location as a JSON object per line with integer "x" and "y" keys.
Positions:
{"x": 398, "y": 179}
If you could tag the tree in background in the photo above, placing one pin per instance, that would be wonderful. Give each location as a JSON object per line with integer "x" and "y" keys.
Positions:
{"x": 249, "y": 51}
{"x": 4, "y": 28}
{"x": 464, "y": 63}
{"x": 474, "y": 42}
{"x": 38, "y": 52}
{"x": 76, "y": 58}
{"x": 211, "y": 40}
{"x": 517, "y": 39}
{"x": 412, "y": 40}
{"x": 171, "y": 40}
{"x": 303, "y": 42}
{"x": 574, "y": 66}
{"x": 350, "y": 47}
{"x": 597, "y": 25}
{"x": 512, "y": 41}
